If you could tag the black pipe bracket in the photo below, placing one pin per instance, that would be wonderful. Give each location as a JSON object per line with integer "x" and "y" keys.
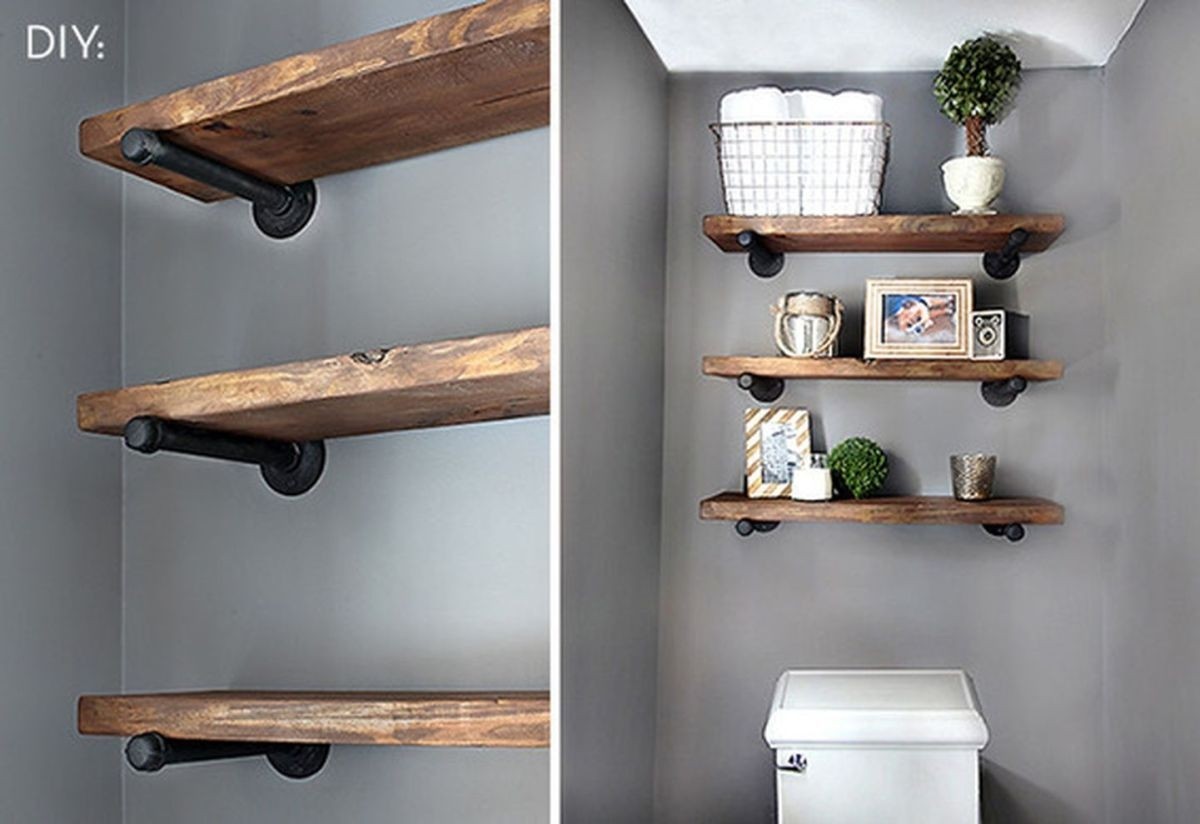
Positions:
{"x": 763, "y": 262}
{"x": 762, "y": 389}
{"x": 1013, "y": 532}
{"x": 746, "y": 527}
{"x": 1002, "y": 393}
{"x": 289, "y": 467}
{"x": 150, "y": 752}
{"x": 1004, "y": 264}
{"x": 279, "y": 211}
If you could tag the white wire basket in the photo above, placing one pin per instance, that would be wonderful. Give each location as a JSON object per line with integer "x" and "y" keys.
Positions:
{"x": 802, "y": 168}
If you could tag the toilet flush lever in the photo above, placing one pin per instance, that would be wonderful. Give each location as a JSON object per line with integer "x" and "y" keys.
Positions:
{"x": 797, "y": 762}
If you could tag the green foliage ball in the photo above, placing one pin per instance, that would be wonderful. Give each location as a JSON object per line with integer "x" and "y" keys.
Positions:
{"x": 978, "y": 79}
{"x": 859, "y": 466}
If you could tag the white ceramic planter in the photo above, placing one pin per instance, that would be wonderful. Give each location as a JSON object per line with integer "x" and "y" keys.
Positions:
{"x": 972, "y": 183}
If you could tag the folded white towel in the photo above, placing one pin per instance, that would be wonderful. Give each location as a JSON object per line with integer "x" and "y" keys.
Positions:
{"x": 862, "y": 107}
{"x": 813, "y": 105}
{"x": 808, "y": 104}
{"x": 764, "y": 104}
{"x": 758, "y": 154}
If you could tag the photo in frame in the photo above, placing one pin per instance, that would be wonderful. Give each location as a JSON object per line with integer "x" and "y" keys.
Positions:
{"x": 917, "y": 318}
{"x": 775, "y": 438}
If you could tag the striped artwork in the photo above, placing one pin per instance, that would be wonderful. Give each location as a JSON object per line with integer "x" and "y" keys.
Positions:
{"x": 774, "y": 437}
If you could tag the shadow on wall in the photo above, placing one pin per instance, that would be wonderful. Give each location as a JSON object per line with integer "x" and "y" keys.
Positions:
{"x": 1039, "y": 50}
{"x": 1009, "y": 798}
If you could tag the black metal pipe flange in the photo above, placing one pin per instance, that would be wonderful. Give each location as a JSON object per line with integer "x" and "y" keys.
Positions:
{"x": 762, "y": 389}
{"x": 1003, "y": 264}
{"x": 1013, "y": 532}
{"x": 746, "y": 527}
{"x": 150, "y": 752}
{"x": 289, "y": 467}
{"x": 279, "y": 211}
{"x": 763, "y": 262}
{"x": 1003, "y": 393}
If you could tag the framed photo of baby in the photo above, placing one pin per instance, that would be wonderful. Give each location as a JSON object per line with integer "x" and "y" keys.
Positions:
{"x": 917, "y": 318}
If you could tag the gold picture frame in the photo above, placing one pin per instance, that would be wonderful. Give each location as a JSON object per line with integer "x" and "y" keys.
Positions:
{"x": 774, "y": 437}
{"x": 918, "y": 318}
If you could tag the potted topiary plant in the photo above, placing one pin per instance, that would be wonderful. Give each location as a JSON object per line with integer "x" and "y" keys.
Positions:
{"x": 974, "y": 88}
{"x": 859, "y": 467}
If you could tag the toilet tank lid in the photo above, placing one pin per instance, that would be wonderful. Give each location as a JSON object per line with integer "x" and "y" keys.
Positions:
{"x": 865, "y": 708}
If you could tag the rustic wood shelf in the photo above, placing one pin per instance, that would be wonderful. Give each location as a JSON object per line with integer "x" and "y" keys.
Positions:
{"x": 885, "y": 233}
{"x": 459, "y": 77}
{"x": 1001, "y": 238}
{"x": 733, "y": 366}
{"x": 490, "y": 377}
{"x": 429, "y": 719}
{"x": 907, "y": 509}
{"x": 1001, "y": 382}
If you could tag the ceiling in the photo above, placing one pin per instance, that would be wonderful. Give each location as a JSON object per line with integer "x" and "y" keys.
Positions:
{"x": 875, "y": 35}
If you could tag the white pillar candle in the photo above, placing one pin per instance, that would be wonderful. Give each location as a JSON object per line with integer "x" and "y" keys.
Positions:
{"x": 811, "y": 478}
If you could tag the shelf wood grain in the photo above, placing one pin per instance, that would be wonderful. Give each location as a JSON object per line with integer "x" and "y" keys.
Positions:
{"x": 731, "y": 366}
{"x": 885, "y": 233}
{"x": 907, "y": 509}
{"x": 427, "y": 719}
{"x": 459, "y": 77}
{"x": 490, "y": 377}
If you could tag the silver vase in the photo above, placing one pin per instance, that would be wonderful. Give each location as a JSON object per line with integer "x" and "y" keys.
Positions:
{"x": 972, "y": 476}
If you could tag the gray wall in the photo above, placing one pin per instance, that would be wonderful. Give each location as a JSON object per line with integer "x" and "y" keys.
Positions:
{"x": 60, "y": 492}
{"x": 1152, "y": 596}
{"x": 614, "y": 144}
{"x": 420, "y": 560}
{"x": 1028, "y": 621}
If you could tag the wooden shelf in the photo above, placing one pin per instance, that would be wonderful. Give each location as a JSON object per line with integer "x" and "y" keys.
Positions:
{"x": 885, "y": 233}
{"x": 732, "y": 366}
{"x": 908, "y": 509}
{"x": 467, "y": 719}
{"x": 459, "y": 77}
{"x": 504, "y": 375}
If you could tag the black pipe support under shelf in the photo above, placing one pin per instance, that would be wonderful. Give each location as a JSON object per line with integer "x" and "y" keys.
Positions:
{"x": 763, "y": 262}
{"x": 289, "y": 467}
{"x": 1013, "y": 532}
{"x": 746, "y": 527}
{"x": 1004, "y": 264}
{"x": 764, "y": 390}
{"x": 1003, "y": 393}
{"x": 279, "y": 211}
{"x": 150, "y": 752}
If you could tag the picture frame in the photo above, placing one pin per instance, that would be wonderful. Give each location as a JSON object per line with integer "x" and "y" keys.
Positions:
{"x": 775, "y": 438}
{"x": 918, "y": 318}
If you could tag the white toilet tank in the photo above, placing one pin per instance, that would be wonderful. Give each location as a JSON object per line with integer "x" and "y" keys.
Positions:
{"x": 896, "y": 746}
